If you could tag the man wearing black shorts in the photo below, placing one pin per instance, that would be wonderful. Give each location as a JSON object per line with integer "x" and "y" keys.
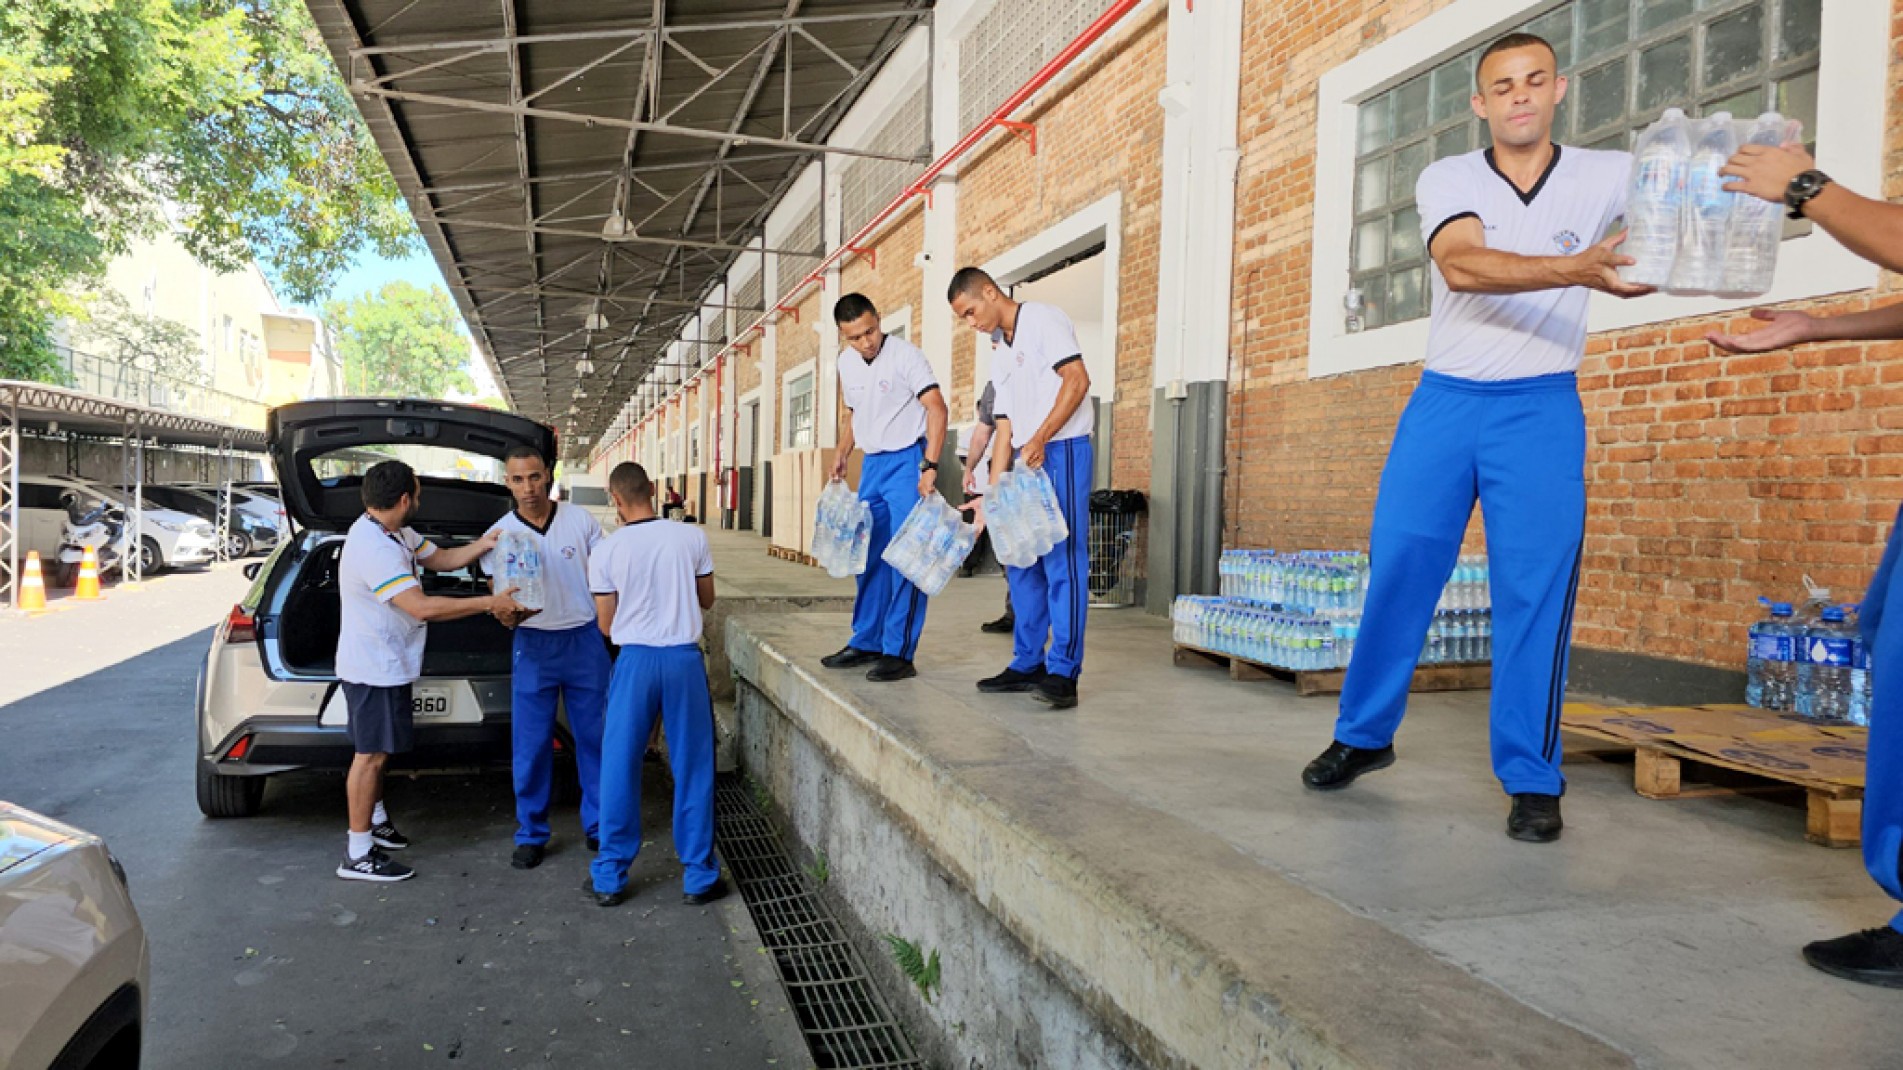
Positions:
{"x": 385, "y": 615}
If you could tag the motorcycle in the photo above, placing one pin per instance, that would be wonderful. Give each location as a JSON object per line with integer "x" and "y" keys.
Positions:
{"x": 101, "y": 528}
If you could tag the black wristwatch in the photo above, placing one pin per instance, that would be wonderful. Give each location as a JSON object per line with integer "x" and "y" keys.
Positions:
{"x": 928, "y": 466}
{"x": 1802, "y": 188}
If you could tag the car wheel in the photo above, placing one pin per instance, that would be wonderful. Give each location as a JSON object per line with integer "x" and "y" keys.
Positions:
{"x": 228, "y": 796}
{"x": 237, "y": 545}
{"x": 150, "y": 560}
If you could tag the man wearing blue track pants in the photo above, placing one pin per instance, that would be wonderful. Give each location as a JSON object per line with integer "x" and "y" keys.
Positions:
{"x": 559, "y": 657}
{"x": 1038, "y": 370}
{"x": 1513, "y": 233}
{"x": 1873, "y": 230}
{"x": 652, "y": 580}
{"x": 898, "y": 418}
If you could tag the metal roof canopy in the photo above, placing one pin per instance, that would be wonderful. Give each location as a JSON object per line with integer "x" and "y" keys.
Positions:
{"x": 568, "y": 157}
{"x": 37, "y": 405}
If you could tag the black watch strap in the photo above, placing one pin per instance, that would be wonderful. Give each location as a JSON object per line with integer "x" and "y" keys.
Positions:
{"x": 928, "y": 466}
{"x": 1805, "y": 186}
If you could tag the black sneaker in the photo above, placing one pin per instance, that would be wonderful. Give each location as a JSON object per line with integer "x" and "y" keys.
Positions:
{"x": 849, "y": 657}
{"x": 1535, "y": 818}
{"x": 1011, "y": 680}
{"x": 1002, "y": 626}
{"x": 1871, "y": 957}
{"x": 716, "y": 890}
{"x": 890, "y": 669}
{"x": 1057, "y": 692}
{"x": 375, "y": 866}
{"x": 594, "y": 844}
{"x": 387, "y": 837}
{"x": 1340, "y": 764}
{"x": 527, "y": 855}
{"x": 604, "y": 899}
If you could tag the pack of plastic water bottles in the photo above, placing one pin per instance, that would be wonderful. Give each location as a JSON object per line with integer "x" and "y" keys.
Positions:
{"x": 842, "y": 531}
{"x": 521, "y": 568}
{"x": 1023, "y": 516}
{"x": 931, "y": 544}
{"x": 1812, "y": 662}
{"x": 1687, "y": 233}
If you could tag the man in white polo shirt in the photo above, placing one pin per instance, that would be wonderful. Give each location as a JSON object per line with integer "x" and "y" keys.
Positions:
{"x": 380, "y": 649}
{"x": 1042, "y": 412}
{"x": 652, "y": 579}
{"x": 1514, "y": 233}
{"x": 898, "y": 418}
{"x": 560, "y": 656}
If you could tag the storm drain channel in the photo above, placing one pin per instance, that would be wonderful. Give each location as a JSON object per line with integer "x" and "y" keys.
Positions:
{"x": 846, "y": 1023}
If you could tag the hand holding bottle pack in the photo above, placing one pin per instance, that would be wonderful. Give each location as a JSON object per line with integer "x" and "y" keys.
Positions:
{"x": 842, "y": 531}
{"x": 931, "y": 544}
{"x": 1685, "y": 232}
{"x": 1024, "y": 518}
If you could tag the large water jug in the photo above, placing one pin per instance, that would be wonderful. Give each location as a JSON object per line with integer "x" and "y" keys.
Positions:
{"x": 1757, "y": 225}
{"x": 1767, "y": 641}
{"x": 521, "y": 556}
{"x": 1826, "y": 687}
{"x": 1653, "y": 199}
{"x": 1705, "y": 216}
{"x": 1780, "y": 666}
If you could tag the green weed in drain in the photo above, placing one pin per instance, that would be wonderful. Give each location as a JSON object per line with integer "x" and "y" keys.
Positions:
{"x": 819, "y": 868}
{"x": 917, "y": 968}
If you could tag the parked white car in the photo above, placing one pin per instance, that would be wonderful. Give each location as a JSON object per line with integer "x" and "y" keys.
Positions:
{"x": 167, "y": 538}
{"x": 74, "y": 965}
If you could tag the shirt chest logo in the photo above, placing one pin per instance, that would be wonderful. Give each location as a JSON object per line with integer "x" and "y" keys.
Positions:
{"x": 885, "y": 386}
{"x": 568, "y": 553}
{"x": 1567, "y": 242}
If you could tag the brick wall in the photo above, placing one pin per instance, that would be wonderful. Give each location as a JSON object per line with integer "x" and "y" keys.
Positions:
{"x": 1711, "y": 478}
{"x": 1099, "y": 130}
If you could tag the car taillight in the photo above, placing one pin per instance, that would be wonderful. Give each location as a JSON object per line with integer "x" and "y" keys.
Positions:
{"x": 239, "y": 750}
{"x": 240, "y": 626}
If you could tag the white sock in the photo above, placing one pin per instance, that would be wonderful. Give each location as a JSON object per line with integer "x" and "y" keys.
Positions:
{"x": 360, "y": 844}
{"x": 379, "y": 816}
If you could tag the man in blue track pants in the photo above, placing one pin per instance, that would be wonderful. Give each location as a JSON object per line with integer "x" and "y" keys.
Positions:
{"x": 898, "y": 418}
{"x": 652, "y": 580}
{"x": 559, "y": 658}
{"x": 1874, "y": 231}
{"x": 1513, "y": 233}
{"x": 1041, "y": 411}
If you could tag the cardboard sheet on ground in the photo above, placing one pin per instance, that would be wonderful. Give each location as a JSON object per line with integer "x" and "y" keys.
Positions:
{"x": 1780, "y": 745}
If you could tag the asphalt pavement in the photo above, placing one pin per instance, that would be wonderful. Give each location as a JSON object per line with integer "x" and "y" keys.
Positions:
{"x": 261, "y": 955}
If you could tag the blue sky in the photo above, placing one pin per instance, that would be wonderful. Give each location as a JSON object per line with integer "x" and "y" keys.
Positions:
{"x": 371, "y": 272}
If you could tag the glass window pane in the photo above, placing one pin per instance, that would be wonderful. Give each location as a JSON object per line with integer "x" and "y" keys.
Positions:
{"x": 1453, "y": 141}
{"x": 1371, "y": 244}
{"x": 1371, "y": 185}
{"x": 1374, "y": 301}
{"x": 1799, "y": 27}
{"x": 1557, "y": 28}
{"x": 1602, "y": 95}
{"x": 1404, "y": 240}
{"x": 1734, "y": 46}
{"x": 1453, "y": 87}
{"x": 1408, "y": 165}
{"x": 1797, "y": 99}
{"x": 1615, "y": 143}
{"x": 1745, "y": 105}
{"x": 1665, "y": 76}
{"x": 1603, "y": 26}
{"x": 1373, "y": 118}
{"x": 1404, "y": 296}
{"x": 1410, "y": 107}
{"x": 1656, "y": 13}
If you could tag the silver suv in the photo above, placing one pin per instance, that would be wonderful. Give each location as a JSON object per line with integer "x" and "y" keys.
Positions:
{"x": 268, "y": 696}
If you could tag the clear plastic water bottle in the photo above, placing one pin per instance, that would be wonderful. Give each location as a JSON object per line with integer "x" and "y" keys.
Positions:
{"x": 1767, "y": 640}
{"x": 1652, "y": 202}
{"x": 522, "y": 568}
{"x": 1757, "y": 225}
{"x": 1860, "y": 683}
{"x": 1830, "y": 646}
{"x": 1705, "y": 218}
{"x": 1780, "y": 665}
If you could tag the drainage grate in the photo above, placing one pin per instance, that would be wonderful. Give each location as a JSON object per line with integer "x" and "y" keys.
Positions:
{"x": 846, "y": 1024}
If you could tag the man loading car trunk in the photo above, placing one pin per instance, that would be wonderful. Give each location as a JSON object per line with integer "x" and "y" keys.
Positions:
{"x": 385, "y": 616}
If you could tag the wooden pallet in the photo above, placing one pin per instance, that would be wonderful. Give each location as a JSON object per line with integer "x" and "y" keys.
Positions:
{"x": 1328, "y": 681}
{"x": 1834, "y": 812}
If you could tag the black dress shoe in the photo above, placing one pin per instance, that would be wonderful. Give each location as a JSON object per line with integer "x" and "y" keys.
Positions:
{"x": 849, "y": 657}
{"x": 1535, "y": 818}
{"x": 716, "y": 890}
{"x": 594, "y": 843}
{"x": 1340, "y": 764}
{"x": 1011, "y": 680}
{"x": 604, "y": 899}
{"x": 1057, "y": 692}
{"x": 1003, "y": 625}
{"x": 1871, "y": 957}
{"x": 890, "y": 669}
{"x": 527, "y": 855}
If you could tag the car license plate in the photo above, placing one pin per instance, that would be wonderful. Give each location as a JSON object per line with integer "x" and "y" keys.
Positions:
{"x": 429, "y": 702}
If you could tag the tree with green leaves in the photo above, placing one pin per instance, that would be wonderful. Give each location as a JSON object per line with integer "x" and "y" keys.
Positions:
{"x": 111, "y": 328}
{"x": 401, "y": 341}
{"x": 224, "y": 120}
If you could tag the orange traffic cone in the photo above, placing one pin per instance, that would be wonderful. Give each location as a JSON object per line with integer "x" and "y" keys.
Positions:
{"x": 88, "y": 589}
{"x": 32, "y": 586}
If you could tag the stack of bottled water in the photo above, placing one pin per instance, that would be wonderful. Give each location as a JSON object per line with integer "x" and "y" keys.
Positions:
{"x": 521, "y": 559}
{"x": 842, "y": 532}
{"x": 1023, "y": 516}
{"x": 1818, "y": 668}
{"x": 1685, "y": 232}
{"x": 931, "y": 544}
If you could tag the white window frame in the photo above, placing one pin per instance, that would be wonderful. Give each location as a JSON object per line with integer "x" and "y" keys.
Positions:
{"x": 1101, "y": 221}
{"x": 1852, "y": 95}
{"x": 899, "y": 322}
{"x": 809, "y": 367}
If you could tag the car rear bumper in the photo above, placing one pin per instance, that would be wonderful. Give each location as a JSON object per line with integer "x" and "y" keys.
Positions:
{"x": 271, "y": 745}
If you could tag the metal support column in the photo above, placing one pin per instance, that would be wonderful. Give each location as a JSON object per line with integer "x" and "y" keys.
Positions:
{"x": 10, "y": 480}
{"x": 132, "y": 475}
{"x": 224, "y": 532}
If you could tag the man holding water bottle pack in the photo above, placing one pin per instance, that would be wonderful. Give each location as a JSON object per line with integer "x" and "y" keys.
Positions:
{"x": 899, "y": 419}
